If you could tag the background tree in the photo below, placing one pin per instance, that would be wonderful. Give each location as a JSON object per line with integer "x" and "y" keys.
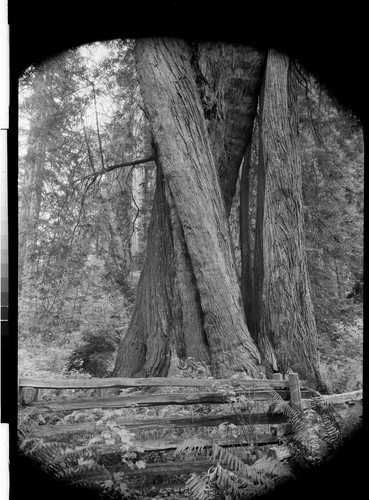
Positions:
{"x": 332, "y": 157}
{"x": 77, "y": 219}
{"x": 45, "y": 184}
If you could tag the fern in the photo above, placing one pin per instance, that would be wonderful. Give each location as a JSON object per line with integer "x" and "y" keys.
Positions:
{"x": 317, "y": 432}
{"x": 223, "y": 483}
{"x": 231, "y": 477}
{"x": 86, "y": 472}
{"x": 195, "y": 445}
{"x": 67, "y": 464}
{"x": 279, "y": 405}
{"x": 272, "y": 467}
{"x": 198, "y": 487}
{"x": 227, "y": 481}
{"x": 330, "y": 430}
{"x": 222, "y": 455}
{"x": 46, "y": 453}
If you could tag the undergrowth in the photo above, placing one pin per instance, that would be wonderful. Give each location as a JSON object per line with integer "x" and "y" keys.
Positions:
{"x": 236, "y": 471}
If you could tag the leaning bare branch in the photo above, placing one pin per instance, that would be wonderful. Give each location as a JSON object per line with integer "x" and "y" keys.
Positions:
{"x": 114, "y": 167}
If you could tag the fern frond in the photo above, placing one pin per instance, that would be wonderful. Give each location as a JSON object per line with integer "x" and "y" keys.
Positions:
{"x": 222, "y": 455}
{"x": 226, "y": 481}
{"x": 49, "y": 452}
{"x": 198, "y": 487}
{"x": 85, "y": 472}
{"x": 296, "y": 418}
{"x": 78, "y": 454}
{"x": 272, "y": 467}
{"x": 192, "y": 444}
{"x": 328, "y": 416}
{"x": 234, "y": 479}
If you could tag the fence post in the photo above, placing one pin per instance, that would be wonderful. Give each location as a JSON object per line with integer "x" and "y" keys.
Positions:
{"x": 274, "y": 428}
{"x": 20, "y": 394}
{"x": 295, "y": 392}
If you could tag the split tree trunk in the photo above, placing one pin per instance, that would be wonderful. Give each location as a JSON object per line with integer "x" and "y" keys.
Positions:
{"x": 167, "y": 314}
{"x": 145, "y": 349}
{"x": 229, "y": 78}
{"x": 286, "y": 319}
{"x": 203, "y": 266}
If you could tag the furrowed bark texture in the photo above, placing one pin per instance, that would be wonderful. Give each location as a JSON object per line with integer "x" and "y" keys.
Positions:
{"x": 164, "y": 307}
{"x": 287, "y": 318}
{"x": 228, "y": 79}
{"x": 184, "y": 152}
{"x": 154, "y": 287}
{"x": 189, "y": 338}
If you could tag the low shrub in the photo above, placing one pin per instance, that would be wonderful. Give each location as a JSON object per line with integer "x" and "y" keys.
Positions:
{"x": 96, "y": 354}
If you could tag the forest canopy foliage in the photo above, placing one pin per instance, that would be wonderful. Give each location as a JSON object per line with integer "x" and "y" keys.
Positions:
{"x": 83, "y": 231}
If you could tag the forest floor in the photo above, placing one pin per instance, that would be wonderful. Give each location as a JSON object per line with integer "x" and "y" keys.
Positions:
{"x": 341, "y": 357}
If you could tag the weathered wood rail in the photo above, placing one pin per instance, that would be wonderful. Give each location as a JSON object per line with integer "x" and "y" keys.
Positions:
{"x": 290, "y": 389}
{"x": 148, "y": 382}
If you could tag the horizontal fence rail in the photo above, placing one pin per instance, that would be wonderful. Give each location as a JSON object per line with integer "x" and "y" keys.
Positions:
{"x": 161, "y": 423}
{"x": 143, "y": 400}
{"x": 146, "y": 382}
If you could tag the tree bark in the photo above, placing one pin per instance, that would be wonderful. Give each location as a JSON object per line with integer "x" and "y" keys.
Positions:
{"x": 155, "y": 283}
{"x": 286, "y": 319}
{"x": 197, "y": 212}
{"x": 165, "y": 302}
{"x": 229, "y": 78}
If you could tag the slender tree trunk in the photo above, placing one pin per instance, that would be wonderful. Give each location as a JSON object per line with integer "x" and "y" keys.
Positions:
{"x": 287, "y": 318}
{"x": 195, "y": 282}
{"x": 30, "y": 202}
{"x": 338, "y": 275}
{"x": 137, "y": 205}
{"x": 119, "y": 219}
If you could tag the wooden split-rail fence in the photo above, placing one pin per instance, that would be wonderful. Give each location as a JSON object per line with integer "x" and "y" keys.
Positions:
{"x": 289, "y": 388}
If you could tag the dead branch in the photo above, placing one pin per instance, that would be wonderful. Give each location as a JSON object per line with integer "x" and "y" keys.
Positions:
{"x": 114, "y": 167}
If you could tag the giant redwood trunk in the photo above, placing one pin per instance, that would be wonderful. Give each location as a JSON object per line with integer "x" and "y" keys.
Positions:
{"x": 286, "y": 319}
{"x": 208, "y": 313}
